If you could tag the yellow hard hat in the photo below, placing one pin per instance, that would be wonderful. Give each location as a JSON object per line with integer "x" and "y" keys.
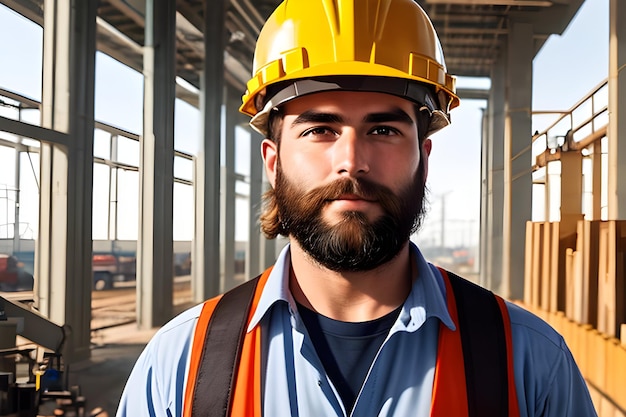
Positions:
{"x": 388, "y": 46}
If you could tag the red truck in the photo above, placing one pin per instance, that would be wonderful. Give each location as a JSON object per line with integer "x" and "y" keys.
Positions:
{"x": 109, "y": 268}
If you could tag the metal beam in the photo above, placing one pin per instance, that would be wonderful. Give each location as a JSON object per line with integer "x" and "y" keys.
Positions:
{"x": 35, "y": 132}
{"x": 32, "y": 10}
{"x": 473, "y": 93}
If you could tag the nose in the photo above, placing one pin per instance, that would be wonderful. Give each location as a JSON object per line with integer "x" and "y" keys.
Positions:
{"x": 351, "y": 154}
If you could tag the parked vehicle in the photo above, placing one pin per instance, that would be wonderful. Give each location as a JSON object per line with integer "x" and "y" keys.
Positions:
{"x": 109, "y": 268}
{"x": 182, "y": 263}
{"x": 13, "y": 277}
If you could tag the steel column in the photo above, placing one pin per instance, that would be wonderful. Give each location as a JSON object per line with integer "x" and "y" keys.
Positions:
{"x": 156, "y": 173}
{"x": 63, "y": 259}
{"x": 517, "y": 159}
{"x": 617, "y": 111}
{"x": 206, "y": 245}
{"x": 490, "y": 270}
{"x": 227, "y": 194}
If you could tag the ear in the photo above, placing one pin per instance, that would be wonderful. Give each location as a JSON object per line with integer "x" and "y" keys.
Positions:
{"x": 269, "y": 152}
{"x": 426, "y": 148}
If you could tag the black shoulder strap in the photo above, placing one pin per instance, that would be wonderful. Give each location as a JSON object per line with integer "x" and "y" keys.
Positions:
{"x": 484, "y": 349}
{"x": 482, "y": 335}
{"x": 221, "y": 352}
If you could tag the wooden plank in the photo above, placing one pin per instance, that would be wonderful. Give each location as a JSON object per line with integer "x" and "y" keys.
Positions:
{"x": 582, "y": 348}
{"x": 567, "y": 240}
{"x": 616, "y": 364}
{"x": 578, "y": 288}
{"x": 537, "y": 258}
{"x": 557, "y": 278}
{"x": 589, "y": 247}
{"x": 596, "y": 373}
{"x": 529, "y": 262}
{"x": 580, "y": 245}
{"x": 603, "y": 281}
{"x": 569, "y": 283}
{"x": 620, "y": 279}
{"x": 610, "y": 293}
{"x": 546, "y": 257}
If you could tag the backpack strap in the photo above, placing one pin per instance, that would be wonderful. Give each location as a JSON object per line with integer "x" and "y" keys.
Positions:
{"x": 483, "y": 321}
{"x": 221, "y": 352}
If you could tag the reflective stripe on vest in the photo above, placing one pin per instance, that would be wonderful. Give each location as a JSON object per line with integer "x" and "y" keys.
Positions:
{"x": 451, "y": 384}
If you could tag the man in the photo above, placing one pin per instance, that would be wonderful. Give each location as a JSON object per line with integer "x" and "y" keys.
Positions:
{"x": 351, "y": 320}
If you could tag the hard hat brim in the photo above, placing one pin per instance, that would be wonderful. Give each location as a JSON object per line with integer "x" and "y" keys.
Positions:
{"x": 419, "y": 93}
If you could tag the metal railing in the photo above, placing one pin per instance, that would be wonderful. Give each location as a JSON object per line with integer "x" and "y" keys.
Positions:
{"x": 576, "y": 128}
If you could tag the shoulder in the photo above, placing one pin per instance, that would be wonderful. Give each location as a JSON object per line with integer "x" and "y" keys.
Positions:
{"x": 158, "y": 377}
{"x": 181, "y": 324}
{"x": 528, "y": 326}
{"x": 547, "y": 378}
{"x": 171, "y": 343}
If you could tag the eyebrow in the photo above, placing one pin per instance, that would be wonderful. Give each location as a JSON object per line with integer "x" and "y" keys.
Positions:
{"x": 311, "y": 116}
{"x": 394, "y": 115}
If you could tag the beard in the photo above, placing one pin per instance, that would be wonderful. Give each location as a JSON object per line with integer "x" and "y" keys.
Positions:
{"x": 354, "y": 243}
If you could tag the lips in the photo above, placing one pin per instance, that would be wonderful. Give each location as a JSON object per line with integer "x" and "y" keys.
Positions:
{"x": 354, "y": 197}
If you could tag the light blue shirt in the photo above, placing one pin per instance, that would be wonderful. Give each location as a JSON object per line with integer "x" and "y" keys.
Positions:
{"x": 399, "y": 382}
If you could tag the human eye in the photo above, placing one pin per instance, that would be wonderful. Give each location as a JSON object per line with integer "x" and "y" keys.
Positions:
{"x": 318, "y": 131}
{"x": 384, "y": 131}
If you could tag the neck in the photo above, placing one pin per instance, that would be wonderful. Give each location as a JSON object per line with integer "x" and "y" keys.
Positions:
{"x": 350, "y": 296}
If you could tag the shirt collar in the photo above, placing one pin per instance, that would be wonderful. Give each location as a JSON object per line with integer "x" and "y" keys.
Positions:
{"x": 427, "y": 297}
{"x": 276, "y": 288}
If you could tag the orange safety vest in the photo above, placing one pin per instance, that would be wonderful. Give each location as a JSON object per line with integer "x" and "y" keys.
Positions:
{"x": 468, "y": 380}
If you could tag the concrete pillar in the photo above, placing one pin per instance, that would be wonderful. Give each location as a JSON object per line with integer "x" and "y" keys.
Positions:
{"x": 517, "y": 157}
{"x": 156, "y": 169}
{"x": 206, "y": 245}
{"x": 63, "y": 264}
{"x": 227, "y": 195}
{"x": 617, "y": 112}
{"x": 491, "y": 218}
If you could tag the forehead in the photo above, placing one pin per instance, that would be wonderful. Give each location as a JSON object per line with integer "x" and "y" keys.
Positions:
{"x": 350, "y": 104}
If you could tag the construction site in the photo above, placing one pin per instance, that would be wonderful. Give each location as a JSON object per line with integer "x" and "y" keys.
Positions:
{"x": 109, "y": 229}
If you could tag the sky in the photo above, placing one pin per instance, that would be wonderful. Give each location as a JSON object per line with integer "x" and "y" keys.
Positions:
{"x": 565, "y": 69}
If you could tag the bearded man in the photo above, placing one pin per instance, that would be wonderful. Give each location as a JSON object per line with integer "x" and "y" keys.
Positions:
{"x": 352, "y": 320}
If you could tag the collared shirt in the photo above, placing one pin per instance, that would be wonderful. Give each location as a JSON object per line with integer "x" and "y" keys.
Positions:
{"x": 399, "y": 382}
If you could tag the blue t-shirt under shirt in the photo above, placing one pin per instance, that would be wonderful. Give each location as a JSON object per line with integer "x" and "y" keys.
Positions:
{"x": 346, "y": 349}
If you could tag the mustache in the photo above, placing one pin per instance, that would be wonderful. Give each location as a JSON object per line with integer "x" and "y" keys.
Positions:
{"x": 365, "y": 189}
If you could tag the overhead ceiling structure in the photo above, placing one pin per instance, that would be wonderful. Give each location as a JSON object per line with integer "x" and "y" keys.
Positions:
{"x": 473, "y": 32}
